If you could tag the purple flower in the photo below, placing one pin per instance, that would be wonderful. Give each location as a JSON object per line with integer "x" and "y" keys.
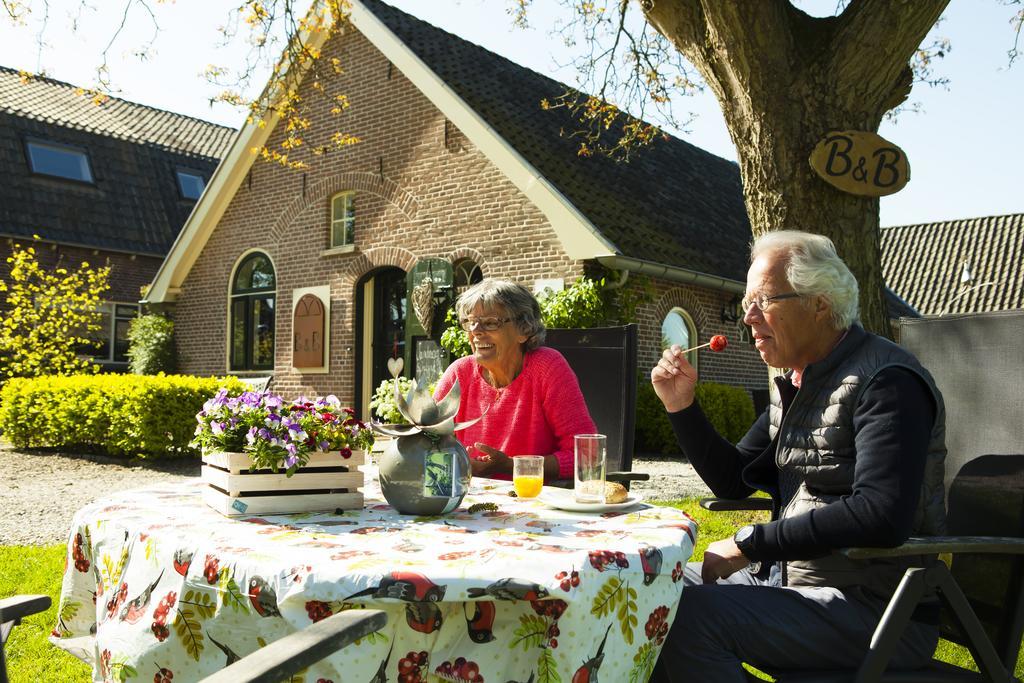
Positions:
{"x": 291, "y": 460}
{"x": 324, "y": 446}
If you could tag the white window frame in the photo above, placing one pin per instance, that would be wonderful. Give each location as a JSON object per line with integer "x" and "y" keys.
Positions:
{"x": 80, "y": 154}
{"x": 691, "y": 329}
{"x": 110, "y": 334}
{"x": 347, "y": 222}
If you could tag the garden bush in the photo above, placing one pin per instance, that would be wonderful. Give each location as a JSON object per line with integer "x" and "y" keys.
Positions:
{"x": 134, "y": 415}
{"x": 729, "y": 409}
{"x": 151, "y": 345}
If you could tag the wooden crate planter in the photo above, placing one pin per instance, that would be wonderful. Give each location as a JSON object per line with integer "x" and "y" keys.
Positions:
{"x": 326, "y": 482}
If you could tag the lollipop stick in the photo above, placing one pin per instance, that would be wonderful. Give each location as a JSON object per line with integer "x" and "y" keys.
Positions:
{"x": 696, "y": 347}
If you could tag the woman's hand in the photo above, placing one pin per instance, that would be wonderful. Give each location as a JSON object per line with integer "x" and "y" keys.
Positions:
{"x": 674, "y": 380}
{"x": 491, "y": 462}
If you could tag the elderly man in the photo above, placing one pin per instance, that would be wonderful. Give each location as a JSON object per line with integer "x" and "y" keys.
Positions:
{"x": 851, "y": 452}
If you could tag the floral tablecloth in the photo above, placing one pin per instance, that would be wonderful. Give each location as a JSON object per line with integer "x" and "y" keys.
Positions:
{"x": 158, "y": 586}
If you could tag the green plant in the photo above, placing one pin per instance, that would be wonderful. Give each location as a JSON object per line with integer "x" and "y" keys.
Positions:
{"x": 383, "y": 402}
{"x": 729, "y": 409}
{"x": 276, "y": 434}
{"x": 454, "y": 339}
{"x": 151, "y": 345}
{"x": 137, "y": 415}
{"x": 50, "y": 317}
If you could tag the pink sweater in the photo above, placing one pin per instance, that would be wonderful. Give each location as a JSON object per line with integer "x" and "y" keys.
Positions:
{"x": 539, "y": 413}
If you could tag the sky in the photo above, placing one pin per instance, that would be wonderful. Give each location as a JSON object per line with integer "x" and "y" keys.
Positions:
{"x": 965, "y": 147}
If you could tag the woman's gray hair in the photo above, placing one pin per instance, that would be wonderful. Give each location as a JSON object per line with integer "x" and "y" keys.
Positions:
{"x": 814, "y": 268}
{"x": 517, "y": 301}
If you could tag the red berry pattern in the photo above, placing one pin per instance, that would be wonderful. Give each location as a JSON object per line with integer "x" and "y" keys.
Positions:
{"x": 568, "y": 580}
{"x": 462, "y": 669}
{"x": 211, "y": 569}
{"x": 164, "y": 607}
{"x": 677, "y": 572}
{"x": 656, "y": 627}
{"x": 81, "y": 563}
{"x": 317, "y": 610}
{"x": 116, "y": 600}
{"x": 163, "y": 676}
{"x": 412, "y": 668}
{"x": 602, "y": 559}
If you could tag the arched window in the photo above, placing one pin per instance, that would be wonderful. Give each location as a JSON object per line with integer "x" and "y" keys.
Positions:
{"x": 343, "y": 219}
{"x": 465, "y": 273}
{"x": 253, "y": 296}
{"x": 678, "y": 328}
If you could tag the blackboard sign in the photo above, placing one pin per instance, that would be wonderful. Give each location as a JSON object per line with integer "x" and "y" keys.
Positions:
{"x": 431, "y": 361}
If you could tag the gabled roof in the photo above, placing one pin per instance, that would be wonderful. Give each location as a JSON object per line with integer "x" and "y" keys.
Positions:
{"x": 51, "y": 101}
{"x": 961, "y": 266}
{"x": 134, "y": 204}
{"x": 675, "y": 209}
{"x": 672, "y": 204}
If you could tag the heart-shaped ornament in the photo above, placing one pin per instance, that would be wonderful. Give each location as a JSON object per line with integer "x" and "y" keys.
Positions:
{"x": 395, "y": 366}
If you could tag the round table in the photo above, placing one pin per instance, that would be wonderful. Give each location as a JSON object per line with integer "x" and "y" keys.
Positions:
{"x": 156, "y": 580}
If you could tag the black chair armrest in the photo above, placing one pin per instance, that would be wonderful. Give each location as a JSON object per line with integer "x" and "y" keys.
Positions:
{"x": 734, "y": 504}
{"x": 20, "y": 606}
{"x": 623, "y": 477}
{"x": 933, "y": 545}
{"x": 284, "y": 657}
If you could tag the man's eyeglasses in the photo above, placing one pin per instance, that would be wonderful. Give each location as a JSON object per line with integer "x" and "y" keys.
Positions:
{"x": 486, "y": 324}
{"x": 763, "y": 301}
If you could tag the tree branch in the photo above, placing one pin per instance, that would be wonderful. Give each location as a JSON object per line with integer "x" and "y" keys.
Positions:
{"x": 876, "y": 39}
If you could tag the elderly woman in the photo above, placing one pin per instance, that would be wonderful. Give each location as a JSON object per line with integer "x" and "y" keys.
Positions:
{"x": 536, "y": 407}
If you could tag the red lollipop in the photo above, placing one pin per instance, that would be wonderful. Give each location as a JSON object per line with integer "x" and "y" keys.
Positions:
{"x": 717, "y": 343}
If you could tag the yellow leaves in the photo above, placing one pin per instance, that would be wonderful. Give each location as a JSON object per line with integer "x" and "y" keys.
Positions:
{"x": 25, "y": 76}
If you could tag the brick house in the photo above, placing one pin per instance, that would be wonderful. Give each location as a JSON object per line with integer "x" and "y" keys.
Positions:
{"x": 108, "y": 184}
{"x": 307, "y": 275}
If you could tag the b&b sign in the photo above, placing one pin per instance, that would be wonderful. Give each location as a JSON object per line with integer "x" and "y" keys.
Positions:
{"x": 861, "y": 163}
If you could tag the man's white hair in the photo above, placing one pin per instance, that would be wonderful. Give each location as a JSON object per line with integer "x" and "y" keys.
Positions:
{"x": 814, "y": 268}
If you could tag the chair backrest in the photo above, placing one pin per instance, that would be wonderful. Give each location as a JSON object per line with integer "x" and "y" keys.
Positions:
{"x": 604, "y": 360}
{"x": 977, "y": 361}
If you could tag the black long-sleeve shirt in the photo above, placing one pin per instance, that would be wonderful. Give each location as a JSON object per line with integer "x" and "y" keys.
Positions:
{"x": 892, "y": 426}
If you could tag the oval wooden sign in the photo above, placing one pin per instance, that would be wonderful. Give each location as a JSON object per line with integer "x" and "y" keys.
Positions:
{"x": 861, "y": 163}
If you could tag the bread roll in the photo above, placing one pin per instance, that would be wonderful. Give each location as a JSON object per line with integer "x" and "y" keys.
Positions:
{"x": 613, "y": 492}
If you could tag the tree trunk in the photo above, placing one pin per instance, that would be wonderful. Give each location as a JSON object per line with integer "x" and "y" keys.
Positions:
{"x": 785, "y": 79}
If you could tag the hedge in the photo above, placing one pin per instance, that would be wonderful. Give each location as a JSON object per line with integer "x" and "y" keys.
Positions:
{"x": 136, "y": 415}
{"x": 729, "y": 409}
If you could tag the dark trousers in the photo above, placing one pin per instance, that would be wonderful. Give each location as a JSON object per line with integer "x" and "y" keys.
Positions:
{"x": 745, "y": 619}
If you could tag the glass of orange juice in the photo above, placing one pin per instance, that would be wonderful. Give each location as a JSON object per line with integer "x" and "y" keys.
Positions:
{"x": 528, "y": 475}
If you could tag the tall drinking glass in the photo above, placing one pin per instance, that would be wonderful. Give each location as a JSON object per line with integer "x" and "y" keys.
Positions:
{"x": 589, "y": 471}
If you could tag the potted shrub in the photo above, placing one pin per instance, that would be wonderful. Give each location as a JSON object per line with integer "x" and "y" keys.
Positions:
{"x": 264, "y": 455}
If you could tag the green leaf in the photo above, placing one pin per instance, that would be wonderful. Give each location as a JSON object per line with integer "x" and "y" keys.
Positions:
{"x": 547, "y": 668}
{"x": 532, "y": 632}
{"x": 607, "y": 598}
{"x": 189, "y": 632}
{"x": 643, "y": 663}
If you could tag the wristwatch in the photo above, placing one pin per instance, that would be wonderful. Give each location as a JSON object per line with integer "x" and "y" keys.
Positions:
{"x": 744, "y": 539}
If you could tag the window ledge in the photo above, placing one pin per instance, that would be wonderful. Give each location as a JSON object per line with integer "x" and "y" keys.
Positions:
{"x": 343, "y": 249}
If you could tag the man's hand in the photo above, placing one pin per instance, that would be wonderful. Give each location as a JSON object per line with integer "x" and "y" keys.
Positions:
{"x": 490, "y": 462}
{"x": 674, "y": 380}
{"x": 721, "y": 560}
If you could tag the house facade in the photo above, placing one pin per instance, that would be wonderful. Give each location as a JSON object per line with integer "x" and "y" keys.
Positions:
{"x": 319, "y": 276}
{"x": 108, "y": 183}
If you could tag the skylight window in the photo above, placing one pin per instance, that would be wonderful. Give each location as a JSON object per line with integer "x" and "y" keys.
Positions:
{"x": 61, "y": 161}
{"x": 191, "y": 184}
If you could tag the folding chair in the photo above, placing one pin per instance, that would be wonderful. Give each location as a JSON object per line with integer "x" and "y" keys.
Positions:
{"x": 12, "y": 611}
{"x": 604, "y": 360}
{"x": 281, "y": 659}
{"x": 976, "y": 361}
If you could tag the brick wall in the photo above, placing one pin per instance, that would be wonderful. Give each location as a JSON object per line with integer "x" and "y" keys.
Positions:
{"x": 422, "y": 191}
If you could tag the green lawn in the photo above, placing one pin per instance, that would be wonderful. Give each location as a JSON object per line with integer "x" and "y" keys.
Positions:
{"x": 38, "y": 569}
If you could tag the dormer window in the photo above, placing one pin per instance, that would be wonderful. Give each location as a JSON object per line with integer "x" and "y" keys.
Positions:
{"x": 190, "y": 184}
{"x": 343, "y": 219}
{"x": 59, "y": 161}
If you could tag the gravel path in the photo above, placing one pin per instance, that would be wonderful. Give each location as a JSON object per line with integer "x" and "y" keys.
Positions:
{"x": 42, "y": 491}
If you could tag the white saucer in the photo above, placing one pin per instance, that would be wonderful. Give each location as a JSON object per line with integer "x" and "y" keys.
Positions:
{"x": 563, "y": 499}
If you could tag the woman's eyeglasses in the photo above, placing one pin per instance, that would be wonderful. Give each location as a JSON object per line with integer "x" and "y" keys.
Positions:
{"x": 763, "y": 301}
{"x": 486, "y": 324}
